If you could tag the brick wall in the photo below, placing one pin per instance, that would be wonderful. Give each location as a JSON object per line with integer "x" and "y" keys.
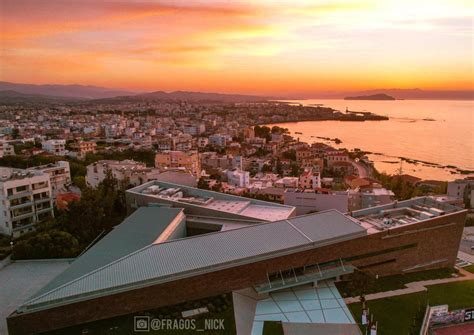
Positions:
{"x": 434, "y": 240}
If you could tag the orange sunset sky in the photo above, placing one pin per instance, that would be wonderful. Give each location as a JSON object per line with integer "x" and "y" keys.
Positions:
{"x": 263, "y": 47}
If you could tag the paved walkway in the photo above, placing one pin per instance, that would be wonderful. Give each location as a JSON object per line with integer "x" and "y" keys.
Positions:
{"x": 413, "y": 287}
{"x": 20, "y": 280}
{"x": 466, "y": 257}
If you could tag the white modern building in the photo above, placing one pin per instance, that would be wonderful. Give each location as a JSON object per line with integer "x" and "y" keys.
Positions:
{"x": 6, "y": 149}
{"x": 59, "y": 175}
{"x": 461, "y": 189}
{"x": 238, "y": 178}
{"x": 55, "y": 147}
{"x": 25, "y": 199}
{"x": 128, "y": 171}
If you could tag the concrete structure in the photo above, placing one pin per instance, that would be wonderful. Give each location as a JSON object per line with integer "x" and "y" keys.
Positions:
{"x": 307, "y": 201}
{"x": 6, "y": 149}
{"x": 361, "y": 198}
{"x": 55, "y": 147}
{"x": 25, "y": 199}
{"x": 208, "y": 203}
{"x": 461, "y": 189}
{"x": 238, "y": 178}
{"x": 59, "y": 175}
{"x": 179, "y": 159}
{"x": 219, "y": 140}
{"x": 310, "y": 179}
{"x": 82, "y": 148}
{"x": 267, "y": 257}
{"x": 127, "y": 171}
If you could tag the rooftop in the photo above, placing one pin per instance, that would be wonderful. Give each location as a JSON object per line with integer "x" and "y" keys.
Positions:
{"x": 185, "y": 257}
{"x": 402, "y": 213}
{"x": 7, "y": 174}
{"x": 221, "y": 202}
{"x": 140, "y": 229}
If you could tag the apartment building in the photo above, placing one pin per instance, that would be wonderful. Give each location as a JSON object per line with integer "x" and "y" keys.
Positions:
{"x": 25, "y": 199}
{"x": 82, "y": 148}
{"x": 55, "y": 147}
{"x": 6, "y": 149}
{"x": 128, "y": 171}
{"x": 59, "y": 175}
{"x": 238, "y": 178}
{"x": 189, "y": 160}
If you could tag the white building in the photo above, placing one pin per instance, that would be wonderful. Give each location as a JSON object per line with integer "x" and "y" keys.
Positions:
{"x": 25, "y": 199}
{"x": 457, "y": 189}
{"x": 307, "y": 201}
{"x": 59, "y": 175}
{"x": 129, "y": 171}
{"x": 238, "y": 178}
{"x": 194, "y": 130}
{"x": 219, "y": 140}
{"x": 310, "y": 179}
{"x": 55, "y": 147}
{"x": 361, "y": 198}
{"x": 6, "y": 149}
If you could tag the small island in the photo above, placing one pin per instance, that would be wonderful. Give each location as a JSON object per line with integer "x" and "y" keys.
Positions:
{"x": 380, "y": 96}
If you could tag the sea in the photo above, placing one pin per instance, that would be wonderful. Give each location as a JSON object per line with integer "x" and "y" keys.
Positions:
{"x": 439, "y": 133}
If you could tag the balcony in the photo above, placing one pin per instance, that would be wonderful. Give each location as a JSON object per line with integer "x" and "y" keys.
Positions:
{"x": 44, "y": 210}
{"x": 291, "y": 278}
{"x": 22, "y": 205}
{"x": 42, "y": 200}
{"x": 22, "y": 216}
{"x": 19, "y": 195}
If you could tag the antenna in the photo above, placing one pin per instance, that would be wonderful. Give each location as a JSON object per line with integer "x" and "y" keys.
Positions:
{"x": 400, "y": 170}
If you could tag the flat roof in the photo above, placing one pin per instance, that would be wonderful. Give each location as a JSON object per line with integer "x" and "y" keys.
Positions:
{"x": 400, "y": 213}
{"x": 184, "y": 195}
{"x": 187, "y": 257}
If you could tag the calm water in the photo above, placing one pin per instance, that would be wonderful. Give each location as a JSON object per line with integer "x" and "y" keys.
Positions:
{"x": 448, "y": 140}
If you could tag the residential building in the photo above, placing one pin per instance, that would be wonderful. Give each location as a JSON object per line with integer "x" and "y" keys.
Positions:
{"x": 25, "y": 199}
{"x": 332, "y": 157}
{"x": 6, "y": 149}
{"x": 367, "y": 197}
{"x": 59, "y": 175}
{"x": 462, "y": 189}
{"x": 309, "y": 179}
{"x": 188, "y": 160}
{"x": 128, "y": 172}
{"x": 55, "y": 147}
{"x": 82, "y": 148}
{"x": 287, "y": 182}
{"x": 219, "y": 140}
{"x": 238, "y": 178}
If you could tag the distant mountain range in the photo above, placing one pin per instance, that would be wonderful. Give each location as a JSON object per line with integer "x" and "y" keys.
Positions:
{"x": 66, "y": 91}
{"x": 380, "y": 96}
{"x": 16, "y": 93}
{"x": 13, "y": 92}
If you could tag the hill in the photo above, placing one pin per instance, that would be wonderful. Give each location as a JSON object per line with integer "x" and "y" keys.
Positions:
{"x": 379, "y": 96}
{"x": 67, "y": 91}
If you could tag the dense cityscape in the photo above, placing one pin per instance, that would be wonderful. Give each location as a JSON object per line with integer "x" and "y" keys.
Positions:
{"x": 70, "y": 171}
{"x": 290, "y": 167}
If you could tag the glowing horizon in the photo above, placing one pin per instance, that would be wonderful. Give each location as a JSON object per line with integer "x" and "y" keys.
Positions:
{"x": 258, "y": 47}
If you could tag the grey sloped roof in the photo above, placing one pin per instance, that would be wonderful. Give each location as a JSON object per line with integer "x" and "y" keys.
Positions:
{"x": 190, "y": 256}
{"x": 138, "y": 230}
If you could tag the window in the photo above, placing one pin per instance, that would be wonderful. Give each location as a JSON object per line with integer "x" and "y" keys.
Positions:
{"x": 21, "y": 188}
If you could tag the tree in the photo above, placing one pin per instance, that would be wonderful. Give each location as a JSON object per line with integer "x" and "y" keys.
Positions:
{"x": 48, "y": 244}
{"x": 203, "y": 184}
